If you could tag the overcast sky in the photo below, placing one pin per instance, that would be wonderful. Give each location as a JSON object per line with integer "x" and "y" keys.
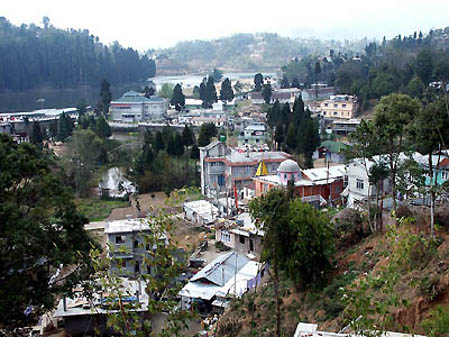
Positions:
{"x": 162, "y": 23}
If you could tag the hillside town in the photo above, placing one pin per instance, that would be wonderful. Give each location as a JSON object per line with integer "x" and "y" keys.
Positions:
{"x": 309, "y": 200}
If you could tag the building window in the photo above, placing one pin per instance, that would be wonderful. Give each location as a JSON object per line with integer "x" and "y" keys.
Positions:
{"x": 360, "y": 184}
{"x": 335, "y": 105}
{"x": 335, "y": 113}
{"x": 136, "y": 243}
{"x": 137, "y": 267}
{"x": 343, "y": 105}
{"x": 445, "y": 175}
{"x": 225, "y": 236}
{"x": 123, "y": 263}
{"x": 326, "y": 104}
{"x": 120, "y": 239}
{"x": 242, "y": 239}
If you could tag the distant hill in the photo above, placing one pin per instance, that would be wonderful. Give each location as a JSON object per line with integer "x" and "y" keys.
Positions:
{"x": 33, "y": 57}
{"x": 244, "y": 52}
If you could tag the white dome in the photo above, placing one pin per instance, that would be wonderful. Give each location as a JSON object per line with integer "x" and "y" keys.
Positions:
{"x": 289, "y": 166}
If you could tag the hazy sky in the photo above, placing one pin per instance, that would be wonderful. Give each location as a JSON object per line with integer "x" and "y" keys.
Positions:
{"x": 152, "y": 24}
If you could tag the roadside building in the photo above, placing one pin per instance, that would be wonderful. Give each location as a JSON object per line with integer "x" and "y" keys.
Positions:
{"x": 317, "y": 93}
{"x": 225, "y": 170}
{"x": 318, "y": 186}
{"x": 340, "y": 106}
{"x": 128, "y": 249}
{"x": 253, "y": 134}
{"x": 287, "y": 95}
{"x": 343, "y": 127}
{"x": 229, "y": 275}
{"x": 133, "y": 107}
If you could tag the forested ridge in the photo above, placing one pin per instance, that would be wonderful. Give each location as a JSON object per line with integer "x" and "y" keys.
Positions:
{"x": 34, "y": 57}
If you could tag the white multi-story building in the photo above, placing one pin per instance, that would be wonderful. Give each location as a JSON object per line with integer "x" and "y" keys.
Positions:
{"x": 133, "y": 107}
{"x": 340, "y": 106}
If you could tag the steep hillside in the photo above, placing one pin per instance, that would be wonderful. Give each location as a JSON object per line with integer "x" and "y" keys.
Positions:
{"x": 404, "y": 278}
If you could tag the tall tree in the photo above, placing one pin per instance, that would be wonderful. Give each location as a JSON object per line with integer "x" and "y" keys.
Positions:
{"x": 188, "y": 138}
{"x": 105, "y": 98}
{"x": 267, "y": 92}
{"x": 295, "y": 83}
{"x": 148, "y": 92}
{"x": 178, "y": 99}
{"x": 279, "y": 135}
{"x": 102, "y": 128}
{"x": 226, "y": 92}
{"x": 216, "y": 75}
{"x": 159, "y": 143}
{"x": 393, "y": 118}
{"x": 44, "y": 246}
{"x": 258, "y": 82}
{"x": 285, "y": 84}
{"x": 36, "y": 136}
{"x": 207, "y": 131}
{"x": 291, "y": 137}
{"x": 179, "y": 146}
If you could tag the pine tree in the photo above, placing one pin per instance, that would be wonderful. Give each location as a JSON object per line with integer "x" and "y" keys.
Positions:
{"x": 211, "y": 93}
{"x": 195, "y": 152}
{"x": 158, "y": 142}
{"x": 102, "y": 128}
{"x": 148, "y": 92}
{"x": 105, "y": 98}
{"x": 258, "y": 82}
{"x": 285, "y": 84}
{"x": 295, "y": 83}
{"x": 291, "y": 136}
{"x": 298, "y": 111}
{"x": 266, "y": 93}
{"x": 226, "y": 92}
{"x": 53, "y": 129}
{"x": 274, "y": 114}
{"x": 279, "y": 134}
{"x": 179, "y": 146}
{"x": 187, "y": 136}
{"x": 36, "y": 136}
{"x": 171, "y": 146}
{"x": 178, "y": 99}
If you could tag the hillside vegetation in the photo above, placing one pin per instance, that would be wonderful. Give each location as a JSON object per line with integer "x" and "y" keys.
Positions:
{"x": 244, "y": 52}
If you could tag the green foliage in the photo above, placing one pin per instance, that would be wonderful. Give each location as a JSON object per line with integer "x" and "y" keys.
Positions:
{"x": 216, "y": 75}
{"x": 258, "y": 82}
{"x": 66, "y": 127}
{"x": 266, "y": 93}
{"x": 36, "y": 136}
{"x": 226, "y": 92}
{"x": 167, "y": 91}
{"x": 178, "y": 98}
{"x": 41, "y": 232}
{"x": 188, "y": 138}
{"x": 438, "y": 323}
{"x": 65, "y": 58}
{"x": 102, "y": 128}
{"x": 207, "y": 131}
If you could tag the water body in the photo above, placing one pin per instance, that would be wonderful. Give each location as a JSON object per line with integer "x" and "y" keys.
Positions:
{"x": 113, "y": 179}
{"x": 195, "y": 79}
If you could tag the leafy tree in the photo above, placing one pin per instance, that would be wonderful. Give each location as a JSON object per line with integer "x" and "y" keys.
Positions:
{"x": 178, "y": 99}
{"x": 266, "y": 93}
{"x": 207, "y": 131}
{"x": 188, "y": 138}
{"x": 258, "y": 82}
{"x": 226, "y": 92}
{"x": 36, "y": 136}
{"x": 41, "y": 233}
{"x": 415, "y": 88}
{"x": 285, "y": 84}
{"x": 167, "y": 91}
{"x": 393, "y": 118}
{"x": 311, "y": 247}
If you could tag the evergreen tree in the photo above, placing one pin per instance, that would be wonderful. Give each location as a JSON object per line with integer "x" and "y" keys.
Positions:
{"x": 179, "y": 146}
{"x": 291, "y": 137}
{"x": 36, "y": 136}
{"x": 148, "y": 137}
{"x": 159, "y": 143}
{"x": 295, "y": 83}
{"x": 102, "y": 128}
{"x": 279, "y": 134}
{"x": 217, "y": 75}
{"x": 226, "y": 92}
{"x": 105, "y": 98}
{"x": 148, "y": 92}
{"x": 317, "y": 71}
{"x": 298, "y": 111}
{"x": 266, "y": 93}
{"x": 274, "y": 114}
{"x": 211, "y": 93}
{"x": 258, "y": 82}
{"x": 187, "y": 137}
{"x": 53, "y": 129}
{"x": 207, "y": 131}
{"x": 285, "y": 84}
{"x": 203, "y": 90}
{"x": 82, "y": 106}
{"x": 195, "y": 152}
{"x": 66, "y": 126}
{"x": 286, "y": 115}
{"x": 178, "y": 99}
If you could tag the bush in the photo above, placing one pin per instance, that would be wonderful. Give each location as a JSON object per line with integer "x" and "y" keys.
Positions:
{"x": 404, "y": 212}
{"x": 432, "y": 287}
{"x": 438, "y": 323}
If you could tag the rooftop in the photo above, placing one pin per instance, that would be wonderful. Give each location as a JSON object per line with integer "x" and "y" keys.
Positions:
{"x": 126, "y": 226}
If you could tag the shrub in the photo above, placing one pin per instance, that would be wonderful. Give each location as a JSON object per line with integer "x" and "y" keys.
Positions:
{"x": 438, "y": 323}
{"x": 404, "y": 212}
{"x": 432, "y": 287}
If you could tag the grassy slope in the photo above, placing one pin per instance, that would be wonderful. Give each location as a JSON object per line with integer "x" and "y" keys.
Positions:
{"x": 98, "y": 210}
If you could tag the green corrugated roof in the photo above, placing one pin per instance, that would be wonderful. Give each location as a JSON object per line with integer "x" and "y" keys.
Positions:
{"x": 334, "y": 147}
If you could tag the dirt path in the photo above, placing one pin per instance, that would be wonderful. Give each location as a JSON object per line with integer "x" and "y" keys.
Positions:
{"x": 148, "y": 204}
